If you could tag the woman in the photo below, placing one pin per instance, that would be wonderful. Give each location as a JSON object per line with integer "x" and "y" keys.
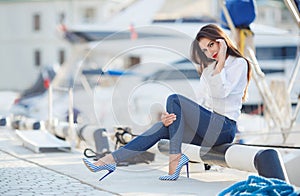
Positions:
{"x": 225, "y": 76}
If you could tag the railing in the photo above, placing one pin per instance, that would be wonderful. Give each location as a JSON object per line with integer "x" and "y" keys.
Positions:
{"x": 52, "y": 125}
{"x": 266, "y": 93}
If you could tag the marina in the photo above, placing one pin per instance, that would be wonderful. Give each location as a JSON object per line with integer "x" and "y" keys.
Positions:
{"x": 114, "y": 85}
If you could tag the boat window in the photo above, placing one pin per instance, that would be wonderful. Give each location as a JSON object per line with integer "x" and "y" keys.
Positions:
{"x": 164, "y": 21}
{"x": 174, "y": 75}
{"x": 61, "y": 56}
{"x": 37, "y": 57}
{"x": 36, "y": 22}
{"x": 203, "y": 19}
{"x": 276, "y": 53}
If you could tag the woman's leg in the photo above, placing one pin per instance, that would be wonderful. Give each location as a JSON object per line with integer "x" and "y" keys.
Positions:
{"x": 138, "y": 145}
{"x": 194, "y": 124}
{"x": 187, "y": 118}
{"x": 178, "y": 128}
{"x": 158, "y": 131}
{"x": 175, "y": 104}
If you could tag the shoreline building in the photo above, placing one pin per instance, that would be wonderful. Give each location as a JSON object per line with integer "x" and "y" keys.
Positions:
{"x": 30, "y": 37}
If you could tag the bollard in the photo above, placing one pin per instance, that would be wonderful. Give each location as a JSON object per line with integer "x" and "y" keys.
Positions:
{"x": 61, "y": 130}
{"x": 270, "y": 165}
{"x": 34, "y": 124}
{"x": 94, "y": 136}
{"x": 3, "y": 121}
{"x": 18, "y": 124}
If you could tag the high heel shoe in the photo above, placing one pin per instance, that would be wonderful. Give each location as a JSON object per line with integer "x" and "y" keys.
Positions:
{"x": 184, "y": 160}
{"x": 94, "y": 168}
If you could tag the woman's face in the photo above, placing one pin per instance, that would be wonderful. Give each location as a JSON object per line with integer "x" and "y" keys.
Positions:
{"x": 209, "y": 47}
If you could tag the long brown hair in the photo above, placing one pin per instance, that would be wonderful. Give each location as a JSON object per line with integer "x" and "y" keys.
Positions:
{"x": 213, "y": 32}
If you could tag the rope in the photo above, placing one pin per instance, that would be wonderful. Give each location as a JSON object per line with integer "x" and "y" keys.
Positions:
{"x": 270, "y": 146}
{"x": 260, "y": 186}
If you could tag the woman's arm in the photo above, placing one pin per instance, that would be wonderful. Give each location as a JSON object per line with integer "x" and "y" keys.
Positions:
{"x": 231, "y": 79}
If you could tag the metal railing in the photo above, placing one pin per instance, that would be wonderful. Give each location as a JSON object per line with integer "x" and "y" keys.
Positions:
{"x": 52, "y": 125}
{"x": 291, "y": 5}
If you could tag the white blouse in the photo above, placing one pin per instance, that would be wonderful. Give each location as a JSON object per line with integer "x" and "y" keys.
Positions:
{"x": 223, "y": 92}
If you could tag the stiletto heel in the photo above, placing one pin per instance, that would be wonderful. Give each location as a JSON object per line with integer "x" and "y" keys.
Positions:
{"x": 184, "y": 161}
{"x": 187, "y": 170}
{"x": 94, "y": 168}
{"x": 109, "y": 172}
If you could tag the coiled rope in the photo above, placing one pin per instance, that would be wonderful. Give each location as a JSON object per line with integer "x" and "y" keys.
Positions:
{"x": 259, "y": 186}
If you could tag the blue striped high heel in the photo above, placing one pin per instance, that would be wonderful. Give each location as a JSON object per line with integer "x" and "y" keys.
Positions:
{"x": 184, "y": 160}
{"x": 94, "y": 168}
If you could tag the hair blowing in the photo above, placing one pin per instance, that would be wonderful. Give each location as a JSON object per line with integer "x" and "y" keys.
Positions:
{"x": 213, "y": 32}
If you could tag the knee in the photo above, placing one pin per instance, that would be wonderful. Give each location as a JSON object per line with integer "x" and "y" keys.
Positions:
{"x": 172, "y": 98}
{"x": 171, "y": 102}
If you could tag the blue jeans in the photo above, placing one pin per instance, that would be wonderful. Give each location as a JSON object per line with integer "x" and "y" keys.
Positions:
{"x": 194, "y": 125}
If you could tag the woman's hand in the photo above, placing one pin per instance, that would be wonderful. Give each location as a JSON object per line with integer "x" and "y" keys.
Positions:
{"x": 167, "y": 119}
{"x": 221, "y": 56}
{"x": 222, "y": 50}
